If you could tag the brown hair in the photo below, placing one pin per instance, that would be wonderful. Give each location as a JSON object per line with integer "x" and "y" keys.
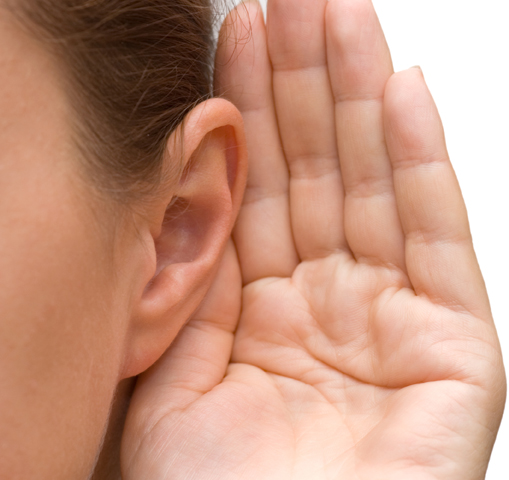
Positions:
{"x": 134, "y": 69}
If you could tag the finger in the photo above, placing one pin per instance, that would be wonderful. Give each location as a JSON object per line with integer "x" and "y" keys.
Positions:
{"x": 440, "y": 257}
{"x": 359, "y": 66}
{"x": 263, "y": 233}
{"x": 305, "y": 111}
{"x": 198, "y": 358}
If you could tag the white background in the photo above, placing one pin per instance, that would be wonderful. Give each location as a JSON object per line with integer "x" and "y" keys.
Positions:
{"x": 463, "y": 48}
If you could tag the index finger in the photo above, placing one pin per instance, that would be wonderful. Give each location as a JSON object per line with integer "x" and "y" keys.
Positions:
{"x": 263, "y": 234}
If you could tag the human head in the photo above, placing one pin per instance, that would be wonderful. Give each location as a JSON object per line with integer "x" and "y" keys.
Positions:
{"x": 112, "y": 217}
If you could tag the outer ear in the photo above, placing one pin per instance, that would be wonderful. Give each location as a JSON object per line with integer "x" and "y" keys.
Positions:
{"x": 187, "y": 230}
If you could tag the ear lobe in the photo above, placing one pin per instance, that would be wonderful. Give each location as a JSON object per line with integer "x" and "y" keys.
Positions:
{"x": 194, "y": 224}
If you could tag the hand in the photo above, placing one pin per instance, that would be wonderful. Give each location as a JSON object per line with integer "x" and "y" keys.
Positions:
{"x": 365, "y": 348}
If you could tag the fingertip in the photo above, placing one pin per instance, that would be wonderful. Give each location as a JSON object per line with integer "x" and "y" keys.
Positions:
{"x": 238, "y": 24}
{"x": 250, "y": 10}
{"x": 343, "y": 17}
{"x": 403, "y": 83}
{"x": 241, "y": 39}
{"x": 358, "y": 55}
{"x": 244, "y": 15}
{"x": 352, "y": 7}
{"x": 411, "y": 116}
{"x": 413, "y": 129}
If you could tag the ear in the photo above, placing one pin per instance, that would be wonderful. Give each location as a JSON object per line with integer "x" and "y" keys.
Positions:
{"x": 187, "y": 229}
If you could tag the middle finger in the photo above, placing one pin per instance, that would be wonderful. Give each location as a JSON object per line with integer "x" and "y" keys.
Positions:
{"x": 305, "y": 111}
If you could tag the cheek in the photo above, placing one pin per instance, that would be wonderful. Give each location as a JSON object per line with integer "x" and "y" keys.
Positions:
{"x": 60, "y": 335}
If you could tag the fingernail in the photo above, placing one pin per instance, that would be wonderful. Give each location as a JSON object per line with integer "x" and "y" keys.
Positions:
{"x": 418, "y": 67}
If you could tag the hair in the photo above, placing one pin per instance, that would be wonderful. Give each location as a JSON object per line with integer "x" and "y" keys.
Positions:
{"x": 133, "y": 70}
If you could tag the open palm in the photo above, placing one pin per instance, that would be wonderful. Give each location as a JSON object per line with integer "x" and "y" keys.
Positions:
{"x": 365, "y": 347}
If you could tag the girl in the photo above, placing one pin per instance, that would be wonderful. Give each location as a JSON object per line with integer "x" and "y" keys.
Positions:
{"x": 346, "y": 331}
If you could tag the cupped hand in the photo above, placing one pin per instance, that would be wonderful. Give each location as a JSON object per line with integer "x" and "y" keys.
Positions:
{"x": 365, "y": 347}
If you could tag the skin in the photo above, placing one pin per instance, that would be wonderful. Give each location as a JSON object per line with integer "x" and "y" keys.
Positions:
{"x": 365, "y": 347}
{"x": 91, "y": 294}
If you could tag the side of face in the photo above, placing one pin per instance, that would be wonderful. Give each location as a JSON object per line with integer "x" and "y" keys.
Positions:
{"x": 59, "y": 305}
{"x": 89, "y": 297}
